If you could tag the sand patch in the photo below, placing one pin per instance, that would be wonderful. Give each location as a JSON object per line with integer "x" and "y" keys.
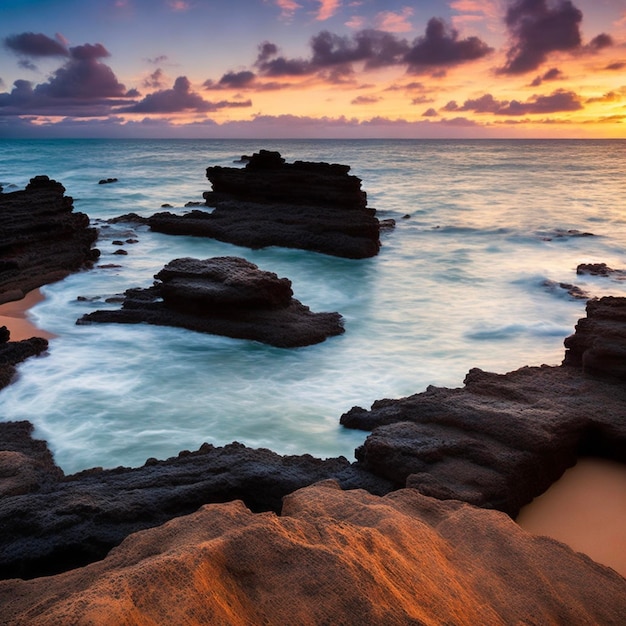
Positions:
{"x": 585, "y": 509}
{"x": 14, "y": 315}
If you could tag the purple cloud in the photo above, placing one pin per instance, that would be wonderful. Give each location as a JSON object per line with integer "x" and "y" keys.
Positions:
{"x": 536, "y": 29}
{"x": 557, "y": 102}
{"x": 552, "y": 74}
{"x": 179, "y": 98}
{"x": 618, "y": 65}
{"x": 35, "y": 45}
{"x": 89, "y": 52}
{"x": 441, "y": 46}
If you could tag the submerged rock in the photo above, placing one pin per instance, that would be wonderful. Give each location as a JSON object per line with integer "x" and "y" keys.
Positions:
{"x": 224, "y": 296}
{"x": 42, "y": 240}
{"x": 313, "y": 206}
{"x": 331, "y": 557}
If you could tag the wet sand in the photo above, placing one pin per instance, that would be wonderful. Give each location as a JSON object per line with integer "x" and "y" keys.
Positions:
{"x": 585, "y": 509}
{"x": 14, "y": 315}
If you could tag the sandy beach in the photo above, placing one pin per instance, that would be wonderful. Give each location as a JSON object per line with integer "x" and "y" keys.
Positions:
{"x": 585, "y": 509}
{"x": 14, "y": 315}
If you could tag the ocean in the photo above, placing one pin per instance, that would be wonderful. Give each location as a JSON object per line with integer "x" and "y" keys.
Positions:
{"x": 486, "y": 231}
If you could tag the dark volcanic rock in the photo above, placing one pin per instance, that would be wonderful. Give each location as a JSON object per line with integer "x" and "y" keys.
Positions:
{"x": 71, "y": 521}
{"x": 14, "y": 352}
{"x": 502, "y": 440}
{"x": 313, "y": 206}
{"x": 42, "y": 239}
{"x": 225, "y": 296}
{"x": 600, "y": 269}
{"x": 599, "y": 343}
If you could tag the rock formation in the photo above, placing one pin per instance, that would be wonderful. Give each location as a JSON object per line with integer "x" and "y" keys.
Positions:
{"x": 504, "y": 438}
{"x": 225, "y": 296}
{"x": 53, "y": 523}
{"x": 42, "y": 239}
{"x": 313, "y": 206}
{"x": 332, "y": 557}
{"x": 14, "y": 352}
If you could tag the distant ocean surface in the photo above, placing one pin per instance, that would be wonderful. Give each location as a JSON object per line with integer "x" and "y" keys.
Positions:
{"x": 468, "y": 278}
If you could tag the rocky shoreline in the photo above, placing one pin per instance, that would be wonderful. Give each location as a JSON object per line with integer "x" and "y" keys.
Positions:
{"x": 417, "y": 530}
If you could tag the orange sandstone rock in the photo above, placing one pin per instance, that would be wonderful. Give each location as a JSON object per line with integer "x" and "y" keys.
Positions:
{"x": 332, "y": 557}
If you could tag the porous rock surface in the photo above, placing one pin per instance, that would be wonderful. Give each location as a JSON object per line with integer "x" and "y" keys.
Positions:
{"x": 503, "y": 439}
{"x": 225, "y": 296}
{"x": 42, "y": 239}
{"x": 53, "y": 523}
{"x": 332, "y": 557}
{"x": 307, "y": 205}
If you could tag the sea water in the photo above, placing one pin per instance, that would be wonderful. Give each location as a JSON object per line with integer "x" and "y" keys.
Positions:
{"x": 470, "y": 277}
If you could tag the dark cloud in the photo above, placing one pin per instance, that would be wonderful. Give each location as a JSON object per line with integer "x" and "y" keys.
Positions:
{"x": 618, "y": 65}
{"x": 557, "y": 102}
{"x": 430, "y": 113}
{"x": 552, "y": 74}
{"x": 89, "y": 52}
{"x": 237, "y": 80}
{"x": 83, "y": 76}
{"x": 374, "y": 48}
{"x": 179, "y": 98}
{"x": 537, "y": 29}
{"x": 599, "y": 42}
{"x": 270, "y": 64}
{"x": 610, "y": 96}
{"x": 441, "y": 46}
{"x": 35, "y": 45}
{"x": 27, "y": 64}
{"x": 155, "y": 80}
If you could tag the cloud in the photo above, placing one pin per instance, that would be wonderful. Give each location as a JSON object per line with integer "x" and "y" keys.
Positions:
{"x": 155, "y": 80}
{"x": 365, "y": 100}
{"x": 162, "y": 58}
{"x": 537, "y": 29}
{"x": 618, "y": 65}
{"x": 178, "y": 99}
{"x": 288, "y": 8}
{"x": 557, "y": 102}
{"x": 441, "y": 46}
{"x": 551, "y": 74}
{"x": 393, "y": 22}
{"x": 599, "y": 42}
{"x": 179, "y": 5}
{"x": 237, "y": 80}
{"x": 327, "y": 9}
{"x": 610, "y": 96}
{"x": 430, "y": 113}
{"x": 89, "y": 52}
{"x": 36, "y": 45}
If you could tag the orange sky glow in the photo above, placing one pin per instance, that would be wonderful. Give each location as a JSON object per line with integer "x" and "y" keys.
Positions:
{"x": 315, "y": 68}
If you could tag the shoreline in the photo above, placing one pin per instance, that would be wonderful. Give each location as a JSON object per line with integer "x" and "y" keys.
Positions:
{"x": 15, "y": 316}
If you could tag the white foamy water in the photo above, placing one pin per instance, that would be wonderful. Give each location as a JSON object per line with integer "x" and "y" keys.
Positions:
{"x": 458, "y": 284}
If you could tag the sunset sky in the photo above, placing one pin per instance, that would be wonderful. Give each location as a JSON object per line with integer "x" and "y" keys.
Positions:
{"x": 313, "y": 68}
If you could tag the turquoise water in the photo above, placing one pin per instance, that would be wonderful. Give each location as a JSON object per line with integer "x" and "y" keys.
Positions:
{"x": 459, "y": 283}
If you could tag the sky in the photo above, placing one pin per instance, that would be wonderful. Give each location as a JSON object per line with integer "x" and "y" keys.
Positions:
{"x": 313, "y": 68}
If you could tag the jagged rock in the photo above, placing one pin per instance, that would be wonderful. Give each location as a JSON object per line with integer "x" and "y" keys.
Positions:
{"x": 599, "y": 343}
{"x": 573, "y": 291}
{"x": 225, "y": 296}
{"x": 503, "y": 439}
{"x": 332, "y": 557}
{"x": 42, "y": 239}
{"x": 70, "y": 521}
{"x": 14, "y": 352}
{"x": 26, "y": 464}
{"x": 313, "y": 206}
{"x": 600, "y": 269}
